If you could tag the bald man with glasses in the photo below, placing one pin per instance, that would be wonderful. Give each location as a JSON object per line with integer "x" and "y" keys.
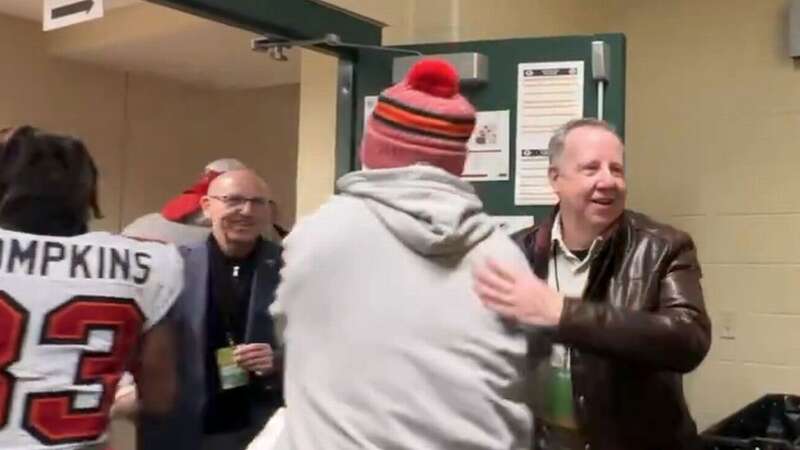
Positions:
{"x": 229, "y": 369}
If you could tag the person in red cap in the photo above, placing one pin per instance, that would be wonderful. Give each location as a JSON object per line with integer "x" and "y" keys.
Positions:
{"x": 181, "y": 220}
{"x": 77, "y": 308}
{"x": 387, "y": 346}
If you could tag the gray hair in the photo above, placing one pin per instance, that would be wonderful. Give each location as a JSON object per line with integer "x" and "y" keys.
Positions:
{"x": 555, "y": 147}
{"x": 225, "y": 165}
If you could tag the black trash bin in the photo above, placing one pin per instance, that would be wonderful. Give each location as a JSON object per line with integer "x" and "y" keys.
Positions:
{"x": 769, "y": 423}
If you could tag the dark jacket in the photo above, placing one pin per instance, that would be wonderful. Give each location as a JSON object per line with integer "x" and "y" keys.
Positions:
{"x": 640, "y": 325}
{"x": 183, "y": 427}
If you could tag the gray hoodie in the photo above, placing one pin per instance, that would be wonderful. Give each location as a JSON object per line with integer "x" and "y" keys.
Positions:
{"x": 387, "y": 345}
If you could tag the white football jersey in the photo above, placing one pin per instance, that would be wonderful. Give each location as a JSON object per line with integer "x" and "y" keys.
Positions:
{"x": 72, "y": 312}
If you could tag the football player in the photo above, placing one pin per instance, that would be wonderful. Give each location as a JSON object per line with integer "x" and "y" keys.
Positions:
{"x": 77, "y": 308}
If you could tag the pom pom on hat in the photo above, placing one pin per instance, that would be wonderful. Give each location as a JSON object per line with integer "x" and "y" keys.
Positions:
{"x": 422, "y": 119}
{"x": 434, "y": 76}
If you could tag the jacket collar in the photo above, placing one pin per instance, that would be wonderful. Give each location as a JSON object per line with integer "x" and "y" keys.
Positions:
{"x": 558, "y": 244}
{"x": 610, "y": 251}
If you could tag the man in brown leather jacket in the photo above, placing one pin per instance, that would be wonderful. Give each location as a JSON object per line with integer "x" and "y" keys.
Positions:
{"x": 614, "y": 305}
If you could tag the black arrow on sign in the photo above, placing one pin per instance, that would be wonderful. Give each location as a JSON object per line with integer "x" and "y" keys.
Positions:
{"x": 67, "y": 10}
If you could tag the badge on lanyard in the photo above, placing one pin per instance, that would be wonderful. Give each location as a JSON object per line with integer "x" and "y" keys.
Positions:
{"x": 559, "y": 357}
{"x": 559, "y": 407}
{"x": 230, "y": 374}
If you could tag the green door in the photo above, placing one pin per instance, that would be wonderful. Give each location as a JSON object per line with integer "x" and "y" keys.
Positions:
{"x": 373, "y": 72}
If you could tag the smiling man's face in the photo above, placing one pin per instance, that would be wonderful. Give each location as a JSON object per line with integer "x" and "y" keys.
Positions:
{"x": 238, "y": 206}
{"x": 589, "y": 178}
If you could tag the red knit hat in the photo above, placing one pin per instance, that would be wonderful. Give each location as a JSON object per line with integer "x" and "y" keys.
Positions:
{"x": 184, "y": 205}
{"x": 187, "y": 203}
{"x": 422, "y": 119}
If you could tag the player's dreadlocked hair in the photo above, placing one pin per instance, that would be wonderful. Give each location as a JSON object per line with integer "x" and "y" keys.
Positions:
{"x": 48, "y": 183}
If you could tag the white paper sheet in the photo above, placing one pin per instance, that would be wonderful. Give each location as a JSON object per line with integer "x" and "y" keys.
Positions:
{"x": 512, "y": 224}
{"x": 370, "y": 102}
{"x": 548, "y": 95}
{"x": 488, "y": 157}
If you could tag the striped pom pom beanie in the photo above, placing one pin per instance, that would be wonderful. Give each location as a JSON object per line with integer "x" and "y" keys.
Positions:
{"x": 422, "y": 119}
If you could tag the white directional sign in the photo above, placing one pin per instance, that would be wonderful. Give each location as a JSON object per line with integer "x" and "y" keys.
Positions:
{"x": 62, "y": 13}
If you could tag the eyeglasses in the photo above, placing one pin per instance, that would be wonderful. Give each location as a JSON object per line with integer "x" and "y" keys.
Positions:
{"x": 238, "y": 201}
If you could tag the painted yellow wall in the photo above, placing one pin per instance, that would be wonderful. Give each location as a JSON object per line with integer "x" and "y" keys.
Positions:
{"x": 467, "y": 20}
{"x": 316, "y": 158}
{"x": 150, "y": 137}
{"x": 37, "y": 90}
{"x": 173, "y": 130}
{"x": 713, "y": 127}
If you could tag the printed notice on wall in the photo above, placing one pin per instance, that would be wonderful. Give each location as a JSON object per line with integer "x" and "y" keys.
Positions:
{"x": 548, "y": 95}
{"x": 512, "y": 224}
{"x": 488, "y": 155}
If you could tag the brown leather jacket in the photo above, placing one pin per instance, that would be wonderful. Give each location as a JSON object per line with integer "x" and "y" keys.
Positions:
{"x": 640, "y": 325}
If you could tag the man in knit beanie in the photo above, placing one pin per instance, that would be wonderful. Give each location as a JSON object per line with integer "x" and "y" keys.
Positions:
{"x": 387, "y": 345}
